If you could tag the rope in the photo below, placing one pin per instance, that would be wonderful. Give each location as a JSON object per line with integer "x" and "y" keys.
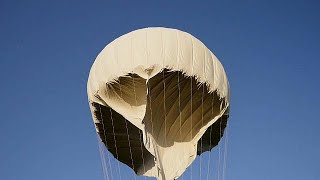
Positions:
{"x": 136, "y": 101}
{"x": 225, "y": 154}
{"x": 148, "y": 88}
{"x": 219, "y": 150}
{"x": 164, "y": 109}
{"x": 180, "y": 120}
{"x": 191, "y": 90}
{"x": 126, "y": 123}
{"x": 179, "y": 92}
{"x": 203, "y": 86}
{"x": 212, "y": 103}
{"x": 208, "y": 170}
{"x": 102, "y": 159}
{"x": 115, "y": 143}
{"x": 149, "y": 94}
{"x": 150, "y": 107}
{"x": 201, "y": 126}
{"x": 105, "y": 138}
{"x": 135, "y": 97}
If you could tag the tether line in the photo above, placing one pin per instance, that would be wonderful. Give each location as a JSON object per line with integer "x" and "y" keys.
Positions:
{"x": 136, "y": 101}
{"x": 103, "y": 161}
{"x": 191, "y": 90}
{"x": 225, "y": 153}
{"x": 203, "y": 86}
{"x": 212, "y": 116}
{"x": 115, "y": 143}
{"x": 105, "y": 139}
{"x": 125, "y": 121}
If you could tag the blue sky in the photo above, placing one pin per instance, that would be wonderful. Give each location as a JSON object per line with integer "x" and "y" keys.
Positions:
{"x": 270, "y": 51}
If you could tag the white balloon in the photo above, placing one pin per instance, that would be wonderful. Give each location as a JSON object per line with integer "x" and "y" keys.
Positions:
{"x": 153, "y": 93}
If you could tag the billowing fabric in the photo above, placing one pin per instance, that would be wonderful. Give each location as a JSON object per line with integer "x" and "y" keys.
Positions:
{"x": 158, "y": 97}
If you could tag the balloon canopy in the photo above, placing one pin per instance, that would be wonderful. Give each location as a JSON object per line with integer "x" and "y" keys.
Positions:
{"x": 159, "y": 97}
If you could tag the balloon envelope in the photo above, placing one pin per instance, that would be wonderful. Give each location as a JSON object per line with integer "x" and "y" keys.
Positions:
{"x": 159, "y": 97}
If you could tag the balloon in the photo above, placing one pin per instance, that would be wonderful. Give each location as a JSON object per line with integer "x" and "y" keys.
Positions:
{"x": 159, "y": 97}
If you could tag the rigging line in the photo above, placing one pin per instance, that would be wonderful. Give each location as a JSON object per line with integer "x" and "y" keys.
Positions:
{"x": 225, "y": 153}
{"x": 164, "y": 109}
{"x": 105, "y": 138}
{"x": 210, "y": 138}
{"x": 149, "y": 92}
{"x": 136, "y": 101}
{"x": 102, "y": 159}
{"x": 180, "y": 120}
{"x": 128, "y": 136}
{"x": 148, "y": 86}
{"x": 203, "y": 86}
{"x": 212, "y": 104}
{"x": 219, "y": 150}
{"x": 208, "y": 170}
{"x": 112, "y": 121}
{"x": 135, "y": 97}
{"x": 220, "y": 136}
{"x": 150, "y": 100}
{"x": 164, "y": 96}
{"x": 164, "y": 92}
{"x": 150, "y": 106}
{"x": 103, "y": 162}
{"x": 179, "y": 92}
{"x": 115, "y": 143}
{"x": 191, "y": 90}
{"x": 201, "y": 126}
{"x": 109, "y": 161}
{"x": 126, "y": 123}
{"x": 103, "y": 151}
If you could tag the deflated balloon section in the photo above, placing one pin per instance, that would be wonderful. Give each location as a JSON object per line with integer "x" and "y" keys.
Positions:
{"x": 181, "y": 119}
{"x": 158, "y": 97}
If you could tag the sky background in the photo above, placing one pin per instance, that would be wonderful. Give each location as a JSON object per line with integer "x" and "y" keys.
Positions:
{"x": 269, "y": 49}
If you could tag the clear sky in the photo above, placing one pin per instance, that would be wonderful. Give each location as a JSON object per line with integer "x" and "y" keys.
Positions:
{"x": 270, "y": 51}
